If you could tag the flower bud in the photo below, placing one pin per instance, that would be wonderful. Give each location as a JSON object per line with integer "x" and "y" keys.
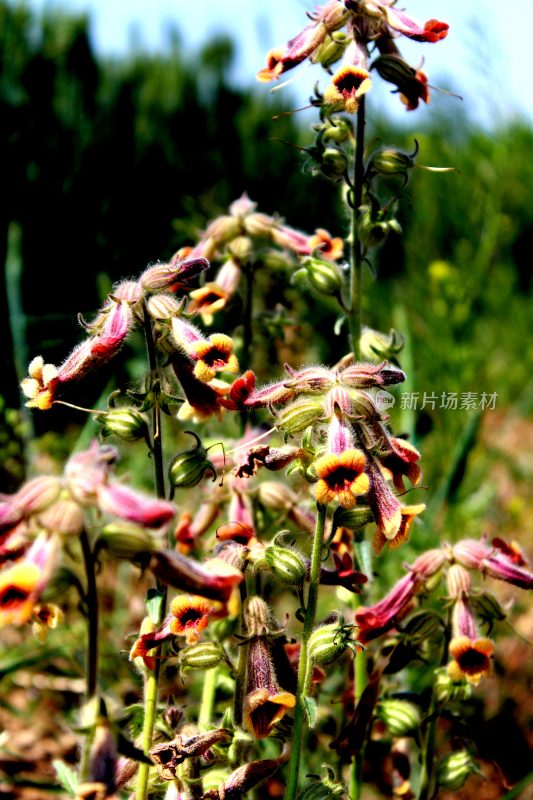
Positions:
{"x": 64, "y": 517}
{"x": 340, "y": 131}
{"x": 299, "y": 416}
{"x": 331, "y": 49}
{"x": 128, "y": 541}
{"x": 324, "y": 276}
{"x": 389, "y": 161}
{"x": 401, "y": 717}
{"x": 128, "y": 424}
{"x": 287, "y": 564}
{"x": 163, "y": 306}
{"x": 453, "y": 770}
{"x": 241, "y": 247}
{"x": 188, "y": 468}
{"x": 333, "y": 163}
{"x": 201, "y": 656}
{"x": 449, "y": 691}
{"x": 327, "y": 643}
{"x": 353, "y": 518}
{"x": 458, "y": 582}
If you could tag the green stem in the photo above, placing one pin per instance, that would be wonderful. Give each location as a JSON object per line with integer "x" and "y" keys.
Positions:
{"x": 304, "y": 671}
{"x": 356, "y": 255}
{"x": 428, "y": 746}
{"x": 240, "y": 675}
{"x": 91, "y": 600}
{"x": 205, "y": 715}
{"x": 152, "y": 678}
{"x": 356, "y": 768}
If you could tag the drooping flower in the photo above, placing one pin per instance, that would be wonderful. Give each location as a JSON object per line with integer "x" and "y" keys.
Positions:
{"x": 472, "y": 658}
{"x": 471, "y": 653}
{"x": 408, "y": 514}
{"x": 493, "y": 562}
{"x": 265, "y": 703}
{"x": 326, "y": 19}
{"x": 373, "y": 621}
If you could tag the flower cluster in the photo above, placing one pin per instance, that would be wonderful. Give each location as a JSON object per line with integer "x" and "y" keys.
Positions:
{"x": 350, "y": 455}
{"x": 48, "y": 512}
{"x": 471, "y": 653}
{"x": 347, "y": 33}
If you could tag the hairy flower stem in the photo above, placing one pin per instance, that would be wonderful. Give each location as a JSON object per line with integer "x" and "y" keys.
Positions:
{"x": 207, "y": 704}
{"x": 356, "y": 767}
{"x": 91, "y": 600}
{"x": 240, "y": 676}
{"x": 304, "y": 667}
{"x": 356, "y": 256}
{"x": 152, "y": 678}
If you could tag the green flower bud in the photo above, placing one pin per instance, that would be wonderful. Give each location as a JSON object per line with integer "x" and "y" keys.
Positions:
{"x": 324, "y": 276}
{"x": 449, "y": 691}
{"x": 299, "y": 416}
{"x": 378, "y": 346}
{"x": 393, "y": 69}
{"x": 126, "y": 423}
{"x": 333, "y": 163}
{"x": 127, "y": 541}
{"x": 389, "y": 161}
{"x": 400, "y": 716}
{"x": 331, "y": 49}
{"x": 339, "y": 132}
{"x": 188, "y": 468}
{"x": 353, "y": 518}
{"x": 201, "y": 656}
{"x": 453, "y": 770}
{"x": 287, "y": 564}
{"x": 327, "y": 643}
{"x": 488, "y": 607}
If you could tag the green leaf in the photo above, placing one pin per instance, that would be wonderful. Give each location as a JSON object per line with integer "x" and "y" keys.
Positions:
{"x": 310, "y": 711}
{"x": 66, "y": 777}
{"x": 154, "y": 605}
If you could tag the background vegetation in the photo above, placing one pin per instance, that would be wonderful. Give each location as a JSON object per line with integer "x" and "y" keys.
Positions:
{"x": 109, "y": 165}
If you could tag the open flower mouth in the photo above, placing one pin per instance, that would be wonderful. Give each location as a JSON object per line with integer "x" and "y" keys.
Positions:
{"x": 341, "y": 478}
{"x": 264, "y": 710}
{"x": 12, "y": 597}
{"x": 190, "y": 617}
{"x": 472, "y": 659}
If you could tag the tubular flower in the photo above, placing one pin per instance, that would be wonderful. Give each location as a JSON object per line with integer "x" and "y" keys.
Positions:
{"x": 265, "y": 702}
{"x": 326, "y": 19}
{"x": 471, "y": 655}
{"x": 109, "y": 332}
{"x": 348, "y": 84}
{"x": 190, "y": 617}
{"x": 368, "y": 24}
{"x": 341, "y": 477}
{"x": 214, "y": 578}
{"x": 373, "y": 621}
{"x": 22, "y": 583}
{"x": 493, "y": 562}
{"x": 128, "y": 504}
